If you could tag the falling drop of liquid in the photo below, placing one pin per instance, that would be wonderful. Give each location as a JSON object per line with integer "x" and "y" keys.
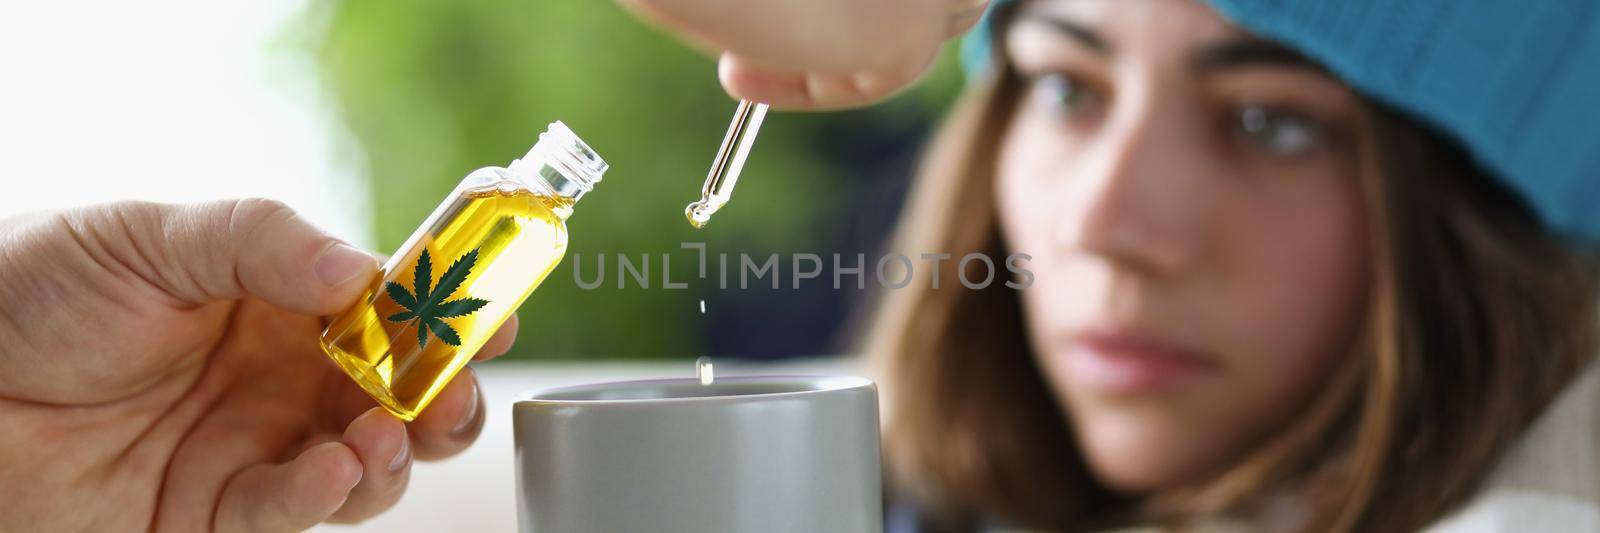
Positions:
{"x": 702, "y": 307}
{"x": 702, "y": 368}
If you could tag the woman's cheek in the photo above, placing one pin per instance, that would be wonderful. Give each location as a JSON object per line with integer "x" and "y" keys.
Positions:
{"x": 1301, "y": 278}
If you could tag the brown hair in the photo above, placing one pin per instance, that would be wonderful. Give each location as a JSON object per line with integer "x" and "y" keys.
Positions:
{"x": 1477, "y": 316}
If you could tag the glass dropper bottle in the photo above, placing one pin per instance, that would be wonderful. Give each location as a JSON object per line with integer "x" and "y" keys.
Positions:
{"x": 729, "y": 161}
{"x": 463, "y": 273}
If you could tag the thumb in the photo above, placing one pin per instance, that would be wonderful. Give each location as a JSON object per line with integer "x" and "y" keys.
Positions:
{"x": 817, "y": 35}
{"x": 225, "y": 250}
{"x": 816, "y": 91}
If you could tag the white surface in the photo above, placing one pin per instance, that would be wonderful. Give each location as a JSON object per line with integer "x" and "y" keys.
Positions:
{"x": 476, "y": 491}
{"x": 174, "y": 101}
{"x": 1507, "y": 511}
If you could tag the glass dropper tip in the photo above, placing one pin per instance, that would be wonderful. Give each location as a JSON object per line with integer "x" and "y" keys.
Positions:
{"x": 698, "y": 214}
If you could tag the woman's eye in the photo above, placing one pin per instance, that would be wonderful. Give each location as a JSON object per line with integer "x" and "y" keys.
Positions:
{"x": 1065, "y": 94}
{"x": 1280, "y": 133}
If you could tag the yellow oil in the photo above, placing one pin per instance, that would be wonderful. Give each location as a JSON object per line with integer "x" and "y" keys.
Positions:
{"x": 519, "y": 237}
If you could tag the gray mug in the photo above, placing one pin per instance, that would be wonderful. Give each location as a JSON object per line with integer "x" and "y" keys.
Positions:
{"x": 743, "y": 454}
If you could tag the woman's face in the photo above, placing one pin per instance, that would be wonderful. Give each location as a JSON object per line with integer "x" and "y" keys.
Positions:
{"x": 1188, "y": 194}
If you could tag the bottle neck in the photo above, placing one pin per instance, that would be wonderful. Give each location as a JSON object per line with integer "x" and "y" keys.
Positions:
{"x": 562, "y": 163}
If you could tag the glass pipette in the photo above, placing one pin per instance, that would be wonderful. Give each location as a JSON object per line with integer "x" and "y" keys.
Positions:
{"x": 729, "y": 161}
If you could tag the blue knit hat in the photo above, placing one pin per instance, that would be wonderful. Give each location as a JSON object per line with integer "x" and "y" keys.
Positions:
{"x": 1515, "y": 83}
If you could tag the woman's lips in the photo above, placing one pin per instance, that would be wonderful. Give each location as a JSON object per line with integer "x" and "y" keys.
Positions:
{"x": 1120, "y": 360}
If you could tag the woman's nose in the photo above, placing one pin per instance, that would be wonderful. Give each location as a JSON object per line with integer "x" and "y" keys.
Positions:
{"x": 1131, "y": 195}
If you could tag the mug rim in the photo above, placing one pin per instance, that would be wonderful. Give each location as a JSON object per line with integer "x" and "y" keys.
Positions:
{"x": 815, "y": 384}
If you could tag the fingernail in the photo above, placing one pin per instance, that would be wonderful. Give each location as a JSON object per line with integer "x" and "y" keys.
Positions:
{"x": 401, "y": 456}
{"x": 468, "y": 418}
{"x": 340, "y": 262}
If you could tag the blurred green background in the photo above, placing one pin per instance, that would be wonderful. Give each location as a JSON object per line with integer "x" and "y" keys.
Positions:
{"x": 434, "y": 89}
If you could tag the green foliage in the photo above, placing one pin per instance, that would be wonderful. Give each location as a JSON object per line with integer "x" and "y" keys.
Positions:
{"x": 427, "y": 310}
{"x": 432, "y": 90}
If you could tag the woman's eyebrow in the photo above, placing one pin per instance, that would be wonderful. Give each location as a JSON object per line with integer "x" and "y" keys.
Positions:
{"x": 1248, "y": 51}
{"x": 1077, "y": 32}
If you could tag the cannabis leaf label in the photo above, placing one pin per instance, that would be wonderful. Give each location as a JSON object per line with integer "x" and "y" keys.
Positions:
{"x": 426, "y": 308}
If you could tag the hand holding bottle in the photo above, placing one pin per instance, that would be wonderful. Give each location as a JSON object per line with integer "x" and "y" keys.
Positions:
{"x": 160, "y": 370}
{"x": 816, "y": 54}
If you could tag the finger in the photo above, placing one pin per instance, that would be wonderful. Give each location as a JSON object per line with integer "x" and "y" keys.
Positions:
{"x": 452, "y": 421}
{"x": 963, "y": 15}
{"x": 811, "y": 90}
{"x": 499, "y": 343}
{"x": 201, "y": 253}
{"x": 292, "y": 496}
{"x": 381, "y": 258}
{"x": 815, "y": 35}
{"x": 380, "y": 442}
